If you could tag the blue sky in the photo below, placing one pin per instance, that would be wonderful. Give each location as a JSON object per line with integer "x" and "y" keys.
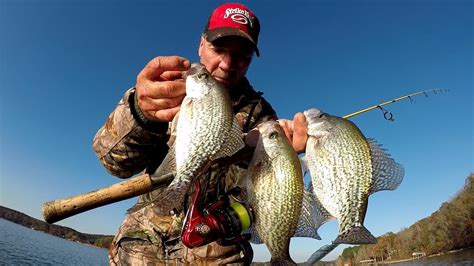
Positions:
{"x": 65, "y": 65}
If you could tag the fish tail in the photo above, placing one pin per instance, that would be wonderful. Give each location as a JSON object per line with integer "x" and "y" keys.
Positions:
{"x": 321, "y": 253}
{"x": 356, "y": 235}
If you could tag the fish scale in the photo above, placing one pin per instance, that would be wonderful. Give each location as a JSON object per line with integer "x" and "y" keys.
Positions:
{"x": 350, "y": 173}
{"x": 275, "y": 188}
{"x": 205, "y": 130}
{"x": 200, "y": 131}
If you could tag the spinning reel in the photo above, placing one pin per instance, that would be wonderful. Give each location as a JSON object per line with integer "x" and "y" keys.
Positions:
{"x": 221, "y": 221}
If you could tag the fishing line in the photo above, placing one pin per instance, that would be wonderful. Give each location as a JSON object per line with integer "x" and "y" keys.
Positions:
{"x": 386, "y": 113}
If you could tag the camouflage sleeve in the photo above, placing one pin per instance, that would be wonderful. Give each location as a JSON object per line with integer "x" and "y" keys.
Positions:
{"x": 127, "y": 146}
{"x": 263, "y": 112}
{"x": 259, "y": 111}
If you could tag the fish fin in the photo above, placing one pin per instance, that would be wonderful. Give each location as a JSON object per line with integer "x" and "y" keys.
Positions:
{"x": 233, "y": 143}
{"x": 304, "y": 165}
{"x": 174, "y": 124}
{"x": 175, "y": 190}
{"x": 154, "y": 199}
{"x": 313, "y": 215}
{"x": 167, "y": 166}
{"x": 306, "y": 226}
{"x": 387, "y": 174}
{"x": 252, "y": 137}
{"x": 319, "y": 213}
{"x": 255, "y": 237}
{"x": 171, "y": 198}
{"x": 356, "y": 235}
{"x": 282, "y": 261}
{"x": 166, "y": 199}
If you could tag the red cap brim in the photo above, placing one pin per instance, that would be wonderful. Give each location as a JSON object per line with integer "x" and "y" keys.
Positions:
{"x": 212, "y": 35}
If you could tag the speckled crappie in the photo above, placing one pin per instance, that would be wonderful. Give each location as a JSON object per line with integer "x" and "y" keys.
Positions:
{"x": 346, "y": 168}
{"x": 275, "y": 190}
{"x": 205, "y": 129}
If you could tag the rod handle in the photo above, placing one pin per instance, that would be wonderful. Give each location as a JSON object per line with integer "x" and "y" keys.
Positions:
{"x": 60, "y": 209}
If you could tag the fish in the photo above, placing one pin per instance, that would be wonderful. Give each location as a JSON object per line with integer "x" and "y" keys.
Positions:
{"x": 275, "y": 192}
{"x": 205, "y": 129}
{"x": 345, "y": 169}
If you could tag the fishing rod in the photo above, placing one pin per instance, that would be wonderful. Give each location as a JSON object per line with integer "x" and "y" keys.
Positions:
{"x": 321, "y": 253}
{"x": 387, "y": 114}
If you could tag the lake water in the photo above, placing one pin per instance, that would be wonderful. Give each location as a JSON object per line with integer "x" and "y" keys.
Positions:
{"x": 460, "y": 258}
{"x": 23, "y": 246}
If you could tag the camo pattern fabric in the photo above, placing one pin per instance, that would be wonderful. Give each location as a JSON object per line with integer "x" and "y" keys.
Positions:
{"x": 126, "y": 147}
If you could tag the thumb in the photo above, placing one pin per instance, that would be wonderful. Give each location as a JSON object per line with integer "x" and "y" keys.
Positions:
{"x": 300, "y": 131}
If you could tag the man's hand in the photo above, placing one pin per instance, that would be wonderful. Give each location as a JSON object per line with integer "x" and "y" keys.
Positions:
{"x": 296, "y": 131}
{"x": 160, "y": 87}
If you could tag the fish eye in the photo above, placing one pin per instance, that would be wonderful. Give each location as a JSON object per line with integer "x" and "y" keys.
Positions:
{"x": 321, "y": 115}
{"x": 202, "y": 76}
{"x": 273, "y": 135}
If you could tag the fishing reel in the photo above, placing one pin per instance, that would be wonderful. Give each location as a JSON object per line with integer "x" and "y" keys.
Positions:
{"x": 221, "y": 221}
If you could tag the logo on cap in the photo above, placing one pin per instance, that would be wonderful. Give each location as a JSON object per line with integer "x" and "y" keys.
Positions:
{"x": 239, "y": 15}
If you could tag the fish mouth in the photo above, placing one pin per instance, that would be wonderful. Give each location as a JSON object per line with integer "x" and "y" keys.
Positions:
{"x": 252, "y": 137}
{"x": 316, "y": 125}
{"x": 312, "y": 113}
{"x": 195, "y": 68}
{"x": 318, "y": 129}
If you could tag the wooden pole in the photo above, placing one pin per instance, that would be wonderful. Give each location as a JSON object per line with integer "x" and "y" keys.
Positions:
{"x": 58, "y": 210}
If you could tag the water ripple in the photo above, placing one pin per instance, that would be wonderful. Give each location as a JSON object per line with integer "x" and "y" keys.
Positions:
{"x": 22, "y": 246}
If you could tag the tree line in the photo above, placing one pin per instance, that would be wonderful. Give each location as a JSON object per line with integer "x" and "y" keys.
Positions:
{"x": 102, "y": 241}
{"x": 451, "y": 227}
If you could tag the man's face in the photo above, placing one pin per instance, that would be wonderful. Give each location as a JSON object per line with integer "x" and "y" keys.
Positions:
{"x": 227, "y": 58}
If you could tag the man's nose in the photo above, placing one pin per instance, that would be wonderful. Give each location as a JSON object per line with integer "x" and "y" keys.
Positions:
{"x": 226, "y": 62}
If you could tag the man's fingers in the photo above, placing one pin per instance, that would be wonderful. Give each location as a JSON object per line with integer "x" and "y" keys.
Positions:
{"x": 296, "y": 131}
{"x": 287, "y": 128}
{"x": 165, "y": 89}
{"x": 300, "y": 132}
{"x": 166, "y": 115}
{"x": 172, "y": 75}
{"x": 150, "y": 106}
{"x": 160, "y": 64}
{"x": 160, "y": 88}
{"x": 167, "y": 103}
{"x": 300, "y": 126}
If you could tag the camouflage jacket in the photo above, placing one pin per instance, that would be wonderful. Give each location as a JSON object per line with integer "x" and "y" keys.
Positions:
{"x": 126, "y": 146}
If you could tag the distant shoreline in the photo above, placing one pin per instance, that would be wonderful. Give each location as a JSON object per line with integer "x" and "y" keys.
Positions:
{"x": 99, "y": 241}
{"x": 430, "y": 256}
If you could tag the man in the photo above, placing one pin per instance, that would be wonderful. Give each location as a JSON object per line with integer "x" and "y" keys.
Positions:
{"x": 135, "y": 136}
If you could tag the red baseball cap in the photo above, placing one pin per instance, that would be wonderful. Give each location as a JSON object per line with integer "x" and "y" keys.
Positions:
{"x": 233, "y": 19}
